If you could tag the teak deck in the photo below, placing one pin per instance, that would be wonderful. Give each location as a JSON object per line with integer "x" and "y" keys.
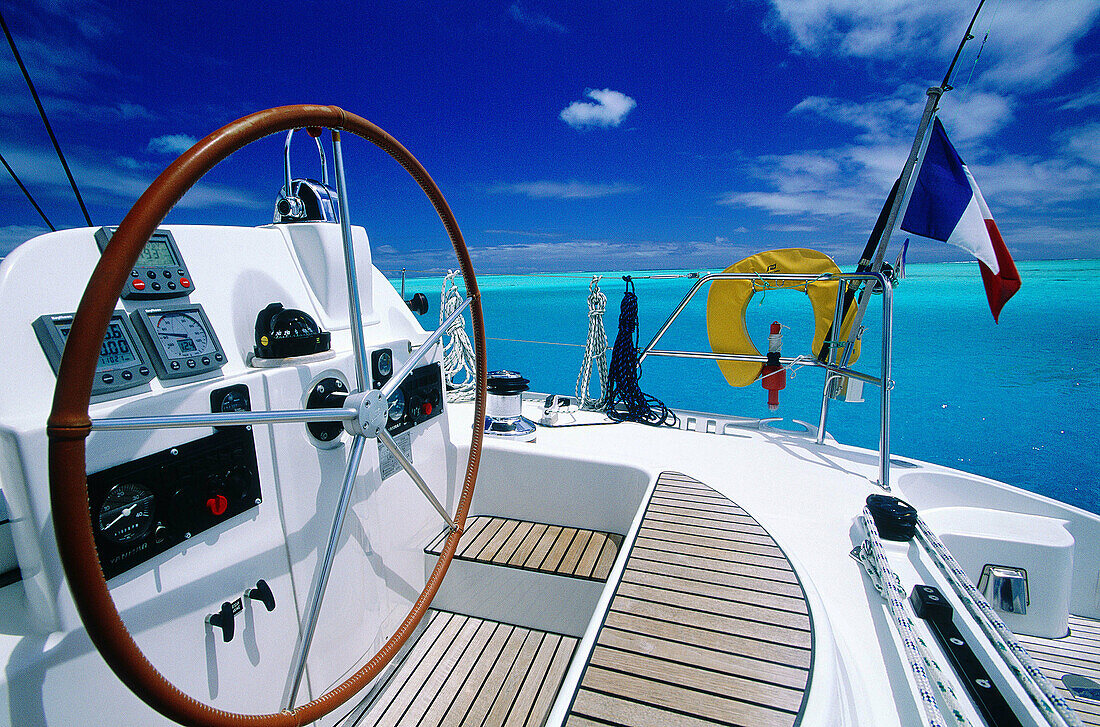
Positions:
{"x": 1077, "y": 653}
{"x": 469, "y": 671}
{"x": 539, "y": 547}
{"x": 709, "y": 624}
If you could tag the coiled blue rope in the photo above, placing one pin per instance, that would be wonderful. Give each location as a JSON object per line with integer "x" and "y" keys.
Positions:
{"x": 625, "y": 400}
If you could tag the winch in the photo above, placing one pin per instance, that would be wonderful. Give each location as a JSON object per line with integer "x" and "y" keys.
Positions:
{"x": 504, "y": 407}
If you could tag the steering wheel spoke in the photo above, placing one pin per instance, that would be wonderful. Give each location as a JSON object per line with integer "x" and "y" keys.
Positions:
{"x": 423, "y": 350}
{"x": 410, "y": 469}
{"x": 223, "y": 419}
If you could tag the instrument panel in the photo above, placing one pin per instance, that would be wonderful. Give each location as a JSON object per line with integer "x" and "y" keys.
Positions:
{"x": 123, "y": 361}
{"x": 144, "y": 507}
{"x": 160, "y": 271}
{"x": 171, "y": 342}
{"x": 181, "y": 339}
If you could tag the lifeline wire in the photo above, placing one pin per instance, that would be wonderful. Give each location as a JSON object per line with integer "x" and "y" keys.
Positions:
{"x": 625, "y": 401}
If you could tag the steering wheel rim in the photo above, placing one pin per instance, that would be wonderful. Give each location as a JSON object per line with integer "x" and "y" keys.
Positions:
{"x": 69, "y": 423}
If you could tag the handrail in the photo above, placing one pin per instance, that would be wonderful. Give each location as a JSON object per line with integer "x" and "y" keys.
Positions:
{"x": 835, "y": 371}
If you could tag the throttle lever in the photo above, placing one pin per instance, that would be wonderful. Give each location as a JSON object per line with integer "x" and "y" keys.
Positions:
{"x": 262, "y": 593}
{"x": 223, "y": 619}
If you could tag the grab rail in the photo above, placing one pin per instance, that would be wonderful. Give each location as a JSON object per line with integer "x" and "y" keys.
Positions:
{"x": 834, "y": 371}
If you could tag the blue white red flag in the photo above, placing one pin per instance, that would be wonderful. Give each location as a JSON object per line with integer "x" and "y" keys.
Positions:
{"x": 947, "y": 206}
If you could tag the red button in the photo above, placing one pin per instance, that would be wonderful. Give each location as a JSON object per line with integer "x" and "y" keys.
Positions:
{"x": 139, "y": 284}
{"x": 185, "y": 283}
{"x": 426, "y": 408}
{"x": 217, "y": 505}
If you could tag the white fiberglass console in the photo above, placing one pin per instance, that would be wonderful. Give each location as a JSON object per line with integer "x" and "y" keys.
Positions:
{"x": 210, "y": 537}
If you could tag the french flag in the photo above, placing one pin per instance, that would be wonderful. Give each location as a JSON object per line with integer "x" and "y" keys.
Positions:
{"x": 947, "y": 206}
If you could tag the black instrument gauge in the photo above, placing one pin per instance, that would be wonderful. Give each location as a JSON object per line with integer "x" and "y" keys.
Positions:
{"x": 126, "y": 513}
{"x": 385, "y": 364}
{"x": 181, "y": 339}
{"x": 381, "y": 366}
{"x": 233, "y": 401}
{"x": 397, "y": 405}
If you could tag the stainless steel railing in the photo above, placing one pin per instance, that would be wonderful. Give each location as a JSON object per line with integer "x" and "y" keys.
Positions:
{"x": 834, "y": 371}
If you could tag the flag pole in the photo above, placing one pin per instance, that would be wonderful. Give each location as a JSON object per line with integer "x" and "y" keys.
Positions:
{"x": 912, "y": 163}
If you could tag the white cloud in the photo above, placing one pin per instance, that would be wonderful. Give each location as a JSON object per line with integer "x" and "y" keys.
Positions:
{"x": 11, "y": 236}
{"x": 1031, "y": 42}
{"x": 118, "y": 183}
{"x": 609, "y": 109}
{"x": 565, "y": 190}
{"x": 171, "y": 143}
{"x": 534, "y": 21}
{"x": 1084, "y": 143}
{"x": 1084, "y": 100}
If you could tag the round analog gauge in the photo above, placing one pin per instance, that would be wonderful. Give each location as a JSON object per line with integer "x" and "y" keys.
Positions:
{"x": 182, "y": 335}
{"x": 397, "y": 405}
{"x": 385, "y": 364}
{"x": 126, "y": 513}
{"x": 233, "y": 401}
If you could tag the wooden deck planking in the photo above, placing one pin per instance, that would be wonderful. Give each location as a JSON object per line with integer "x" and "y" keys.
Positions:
{"x": 708, "y": 626}
{"x": 469, "y": 671}
{"x": 566, "y": 551}
{"x": 1077, "y": 653}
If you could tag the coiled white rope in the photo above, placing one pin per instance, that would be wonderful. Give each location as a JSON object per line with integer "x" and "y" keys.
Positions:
{"x": 925, "y": 669}
{"x": 458, "y": 352}
{"x": 1050, "y": 703}
{"x": 595, "y": 349}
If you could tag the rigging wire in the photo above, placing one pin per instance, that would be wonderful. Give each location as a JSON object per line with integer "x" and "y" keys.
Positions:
{"x": 27, "y": 193}
{"x": 988, "y": 30}
{"x": 46, "y": 121}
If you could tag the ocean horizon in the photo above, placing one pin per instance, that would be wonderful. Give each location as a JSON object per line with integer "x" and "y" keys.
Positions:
{"x": 1015, "y": 401}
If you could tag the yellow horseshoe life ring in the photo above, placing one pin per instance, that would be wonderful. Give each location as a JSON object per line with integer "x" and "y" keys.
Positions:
{"x": 728, "y": 300}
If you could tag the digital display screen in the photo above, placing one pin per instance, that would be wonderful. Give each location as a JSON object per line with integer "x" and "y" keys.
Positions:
{"x": 181, "y": 333}
{"x": 116, "y": 352}
{"x": 157, "y": 254}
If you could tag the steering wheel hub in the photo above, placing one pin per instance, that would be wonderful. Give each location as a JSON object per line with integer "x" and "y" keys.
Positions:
{"x": 374, "y": 410}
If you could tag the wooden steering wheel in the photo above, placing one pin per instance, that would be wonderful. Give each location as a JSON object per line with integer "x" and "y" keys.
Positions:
{"x": 69, "y": 423}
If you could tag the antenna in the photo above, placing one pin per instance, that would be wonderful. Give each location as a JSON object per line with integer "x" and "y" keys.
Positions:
{"x": 946, "y": 85}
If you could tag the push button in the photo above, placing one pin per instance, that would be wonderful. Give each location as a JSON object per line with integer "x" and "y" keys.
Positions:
{"x": 190, "y": 363}
{"x": 175, "y": 365}
{"x": 139, "y": 284}
{"x": 127, "y": 375}
{"x": 167, "y": 273}
{"x": 152, "y": 274}
{"x": 144, "y": 370}
{"x": 171, "y": 285}
{"x": 108, "y": 378}
{"x": 205, "y": 360}
{"x": 155, "y": 286}
{"x": 185, "y": 283}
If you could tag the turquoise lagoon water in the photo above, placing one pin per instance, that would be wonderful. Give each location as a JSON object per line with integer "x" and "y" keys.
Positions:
{"x": 1018, "y": 402}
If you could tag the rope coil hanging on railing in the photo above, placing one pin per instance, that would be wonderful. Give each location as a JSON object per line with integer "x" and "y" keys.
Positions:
{"x": 625, "y": 401}
{"x": 595, "y": 349}
{"x": 458, "y": 352}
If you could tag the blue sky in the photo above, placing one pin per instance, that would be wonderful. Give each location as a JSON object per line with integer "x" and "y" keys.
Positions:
{"x": 569, "y": 135}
